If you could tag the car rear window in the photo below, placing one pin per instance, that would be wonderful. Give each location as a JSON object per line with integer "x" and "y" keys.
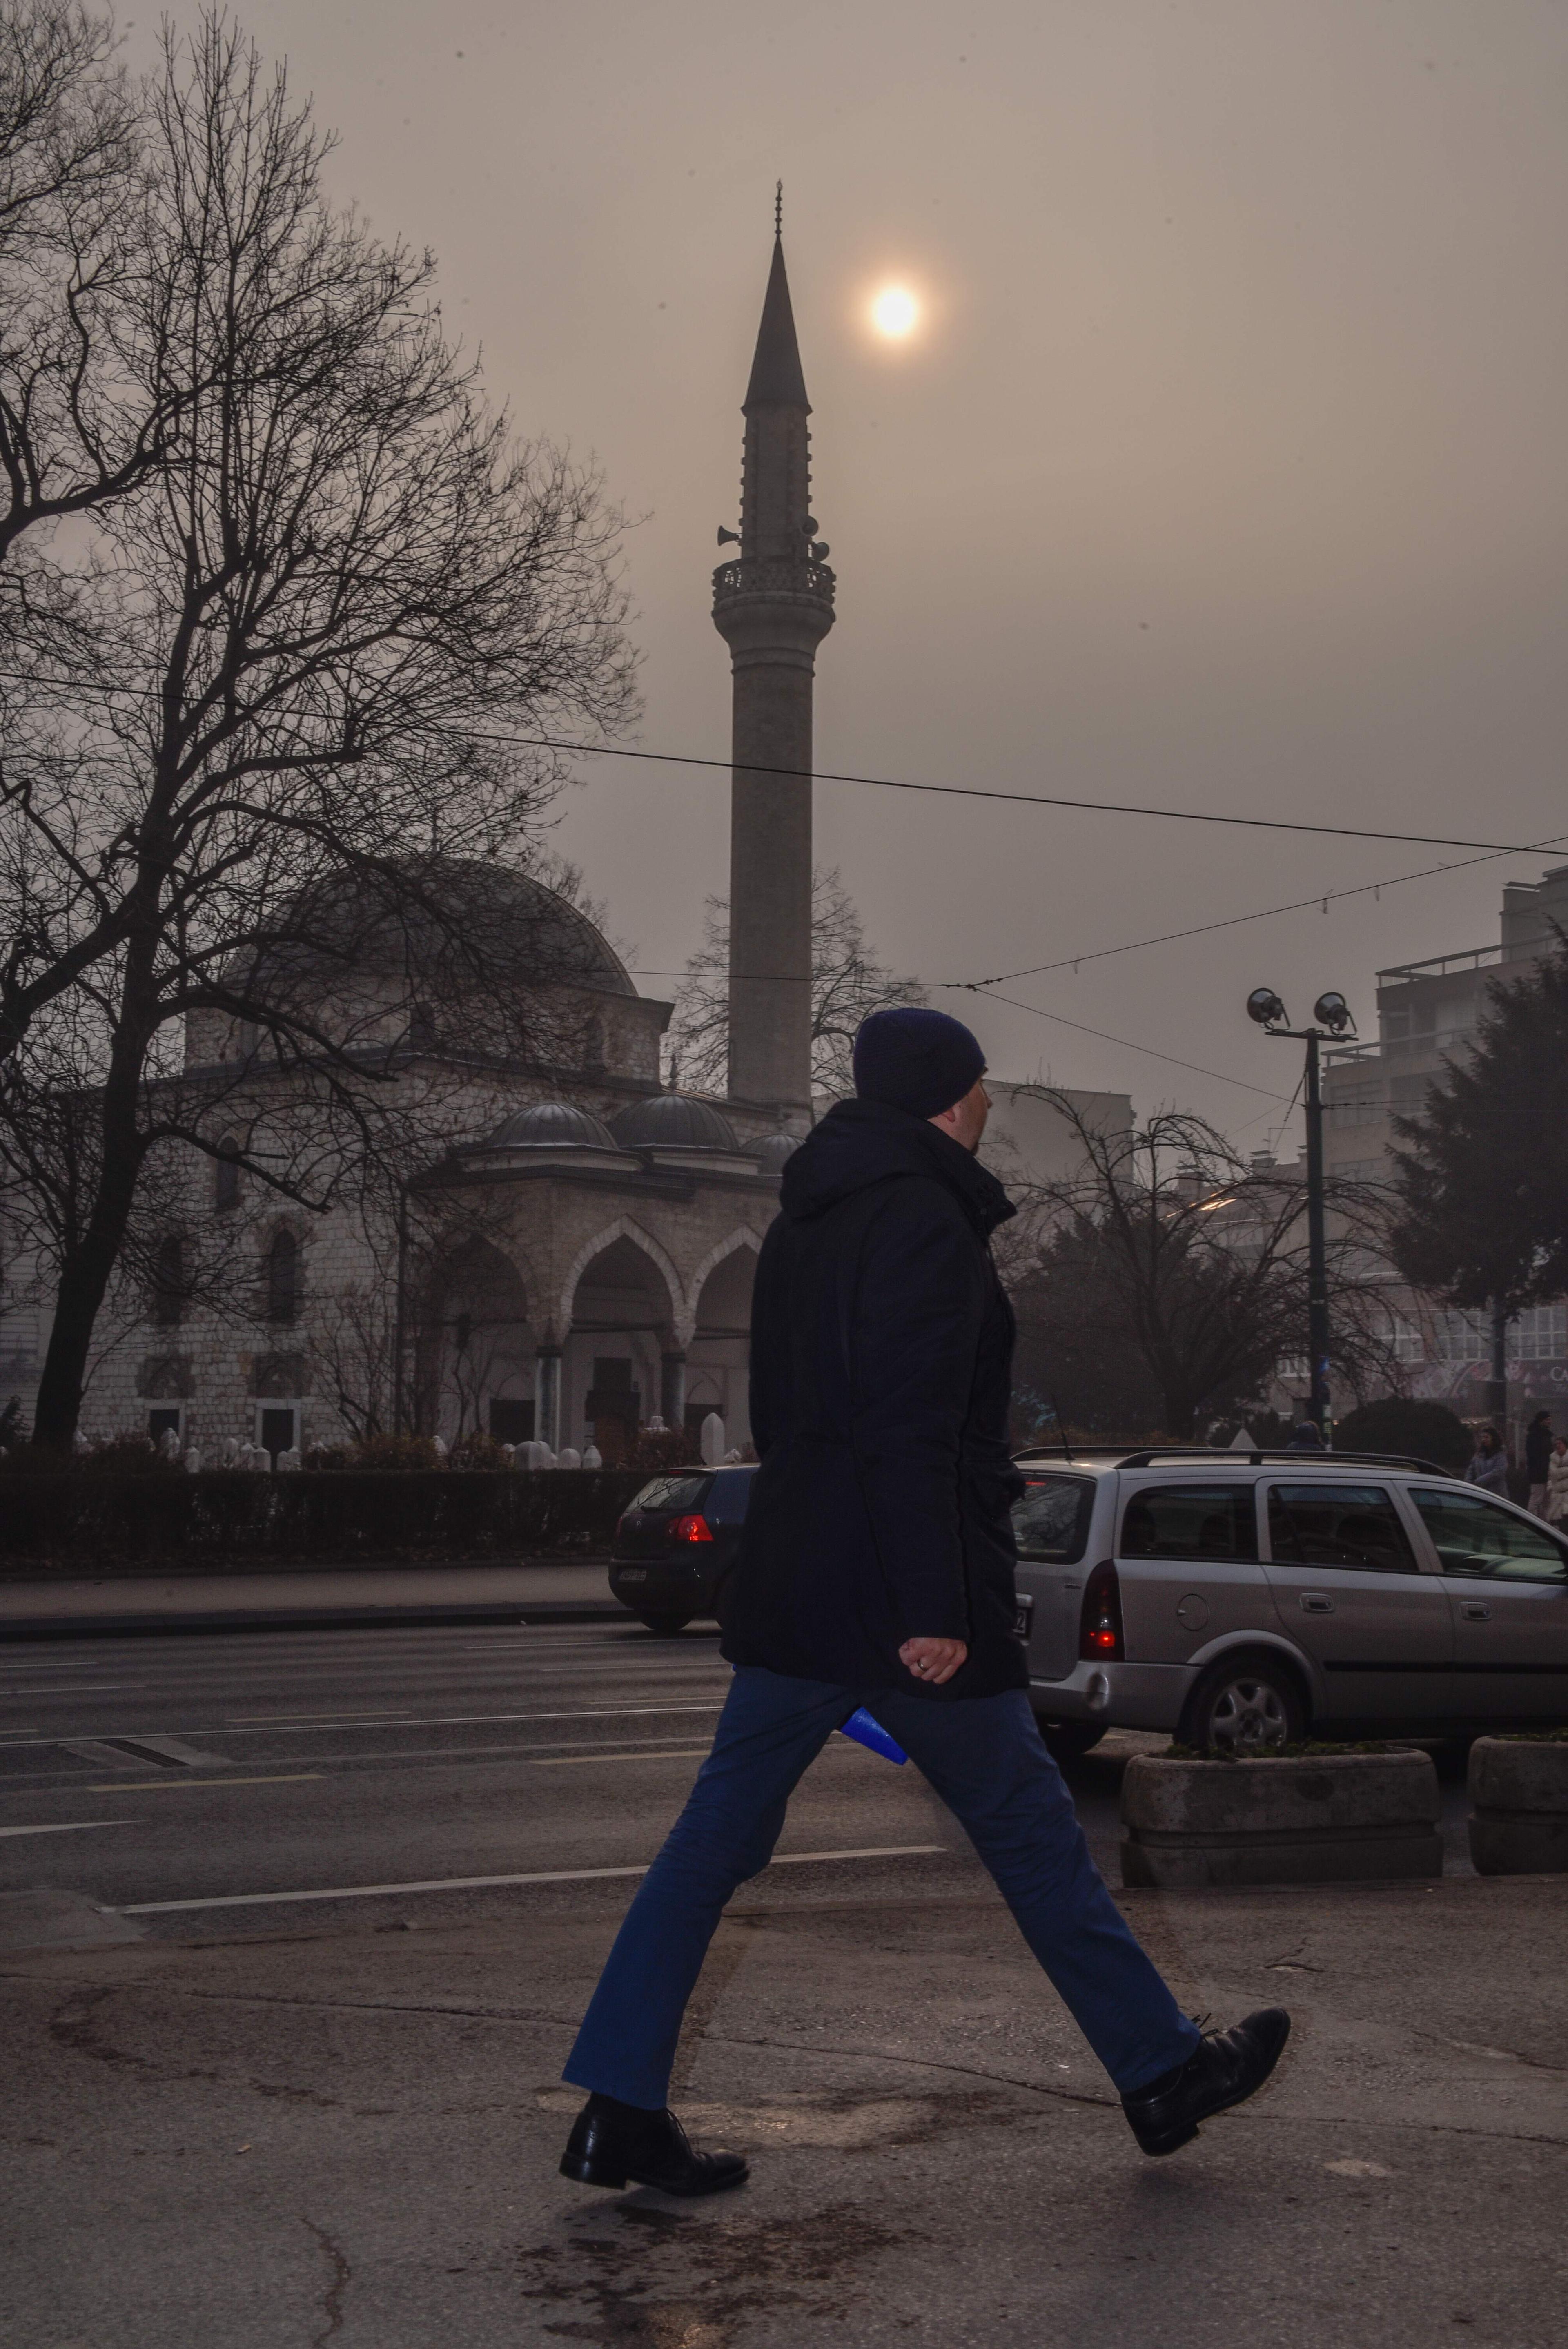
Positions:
{"x": 726, "y": 1502}
{"x": 1338, "y": 1524}
{"x": 1051, "y": 1521}
{"x": 672, "y": 1492}
{"x": 1196, "y": 1521}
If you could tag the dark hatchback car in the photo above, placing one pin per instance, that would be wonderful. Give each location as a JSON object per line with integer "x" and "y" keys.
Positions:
{"x": 676, "y": 1543}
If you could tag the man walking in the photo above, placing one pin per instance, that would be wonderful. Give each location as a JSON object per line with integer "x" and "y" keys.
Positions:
{"x": 876, "y": 1569}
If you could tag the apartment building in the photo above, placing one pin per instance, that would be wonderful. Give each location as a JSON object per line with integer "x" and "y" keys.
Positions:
{"x": 1428, "y": 1014}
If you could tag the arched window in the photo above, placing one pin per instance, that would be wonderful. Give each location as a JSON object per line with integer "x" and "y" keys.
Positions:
{"x": 169, "y": 1281}
{"x": 226, "y": 1175}
{"x": 283, "y": 1277}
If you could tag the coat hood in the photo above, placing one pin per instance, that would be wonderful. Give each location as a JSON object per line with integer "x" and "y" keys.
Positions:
{"x": 860, "y": 1142}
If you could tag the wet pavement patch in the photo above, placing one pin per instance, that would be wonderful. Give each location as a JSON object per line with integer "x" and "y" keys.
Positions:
{"x": 636, "y": 2276}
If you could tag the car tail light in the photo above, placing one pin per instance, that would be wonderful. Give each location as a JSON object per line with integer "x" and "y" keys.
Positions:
{"x": 1100, "y": 1638}
{"x": 690, "y": 1529}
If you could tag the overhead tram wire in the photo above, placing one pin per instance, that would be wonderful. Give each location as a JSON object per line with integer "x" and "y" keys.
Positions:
{"x": 1012, "y": 798}
{"x": 952, "y": 791}
{"x": 1324, "y": 898}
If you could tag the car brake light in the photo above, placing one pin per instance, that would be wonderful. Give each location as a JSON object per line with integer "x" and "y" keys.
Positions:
{"x": 1100, "y": 1638}
{"x": 691, "y": 1529}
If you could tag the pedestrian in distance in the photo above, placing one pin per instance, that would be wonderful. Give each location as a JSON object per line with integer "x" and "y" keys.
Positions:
{"x": 876, "y": 1569}
{"x": 1538, "y": 1460}
{"x": 1306, "y": 1436}
{"x": 1557, "y": 1482}
{"x": 1489, "y": 1463}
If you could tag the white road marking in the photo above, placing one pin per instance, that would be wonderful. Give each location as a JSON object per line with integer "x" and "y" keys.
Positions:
{"x": 476, "y": 1883}
{"x": 60, "y": 1663}
{"x": 145, "y": 1785}
{"x": 69, "y": 1827}
{"x": 79, "y": 1688}
{"x": 305, "y": 1720}
{"x": 436, "y": 1720}
{"x": 669, "y": 1753}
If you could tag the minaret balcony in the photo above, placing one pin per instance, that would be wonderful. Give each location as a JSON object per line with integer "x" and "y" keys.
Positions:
{"x": 794, "y": 582}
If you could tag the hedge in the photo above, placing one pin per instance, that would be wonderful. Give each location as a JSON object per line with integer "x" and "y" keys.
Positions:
{"x": 180, "y": 1524}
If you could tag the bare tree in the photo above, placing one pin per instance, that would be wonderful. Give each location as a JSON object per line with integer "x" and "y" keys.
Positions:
{"x": 1167, "y": 1280}
{"x": 847, "y": 983}
{"x": 74, "y": 431}
{"x": 333, "y": 604}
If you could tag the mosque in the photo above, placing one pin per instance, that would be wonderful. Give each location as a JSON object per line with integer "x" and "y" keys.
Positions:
{"x": 579, "y": 1257}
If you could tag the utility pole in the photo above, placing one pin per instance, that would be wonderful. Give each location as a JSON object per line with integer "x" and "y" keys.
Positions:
{"x": 1497, "y": 1386}
{"x": 1316, "y": 1246}
{"x": 1331, "y": 1015}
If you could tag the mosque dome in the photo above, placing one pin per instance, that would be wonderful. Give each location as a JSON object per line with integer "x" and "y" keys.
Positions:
{"x": 673, "y": 1122}
{"x": 552, "y": 1125}
{"x": 438, "y": 922}
{"x": 772, "y": 1153}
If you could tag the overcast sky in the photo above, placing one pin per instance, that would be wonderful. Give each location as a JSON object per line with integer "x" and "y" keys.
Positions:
{"x": 1227, "y": 470}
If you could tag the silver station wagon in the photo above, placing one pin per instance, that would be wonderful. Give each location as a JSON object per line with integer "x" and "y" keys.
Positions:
{"x": 1245, "y": 1600}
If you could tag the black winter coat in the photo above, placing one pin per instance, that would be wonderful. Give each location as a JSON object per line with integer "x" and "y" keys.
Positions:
{"x": 881, "y": 1347}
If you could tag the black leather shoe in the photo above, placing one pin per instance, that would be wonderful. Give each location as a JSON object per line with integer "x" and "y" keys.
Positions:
{"x": 611, "y": 2144}
{"x": 1225, "y": 2069}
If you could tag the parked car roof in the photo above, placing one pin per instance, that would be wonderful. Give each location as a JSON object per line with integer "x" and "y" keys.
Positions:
{"x": 1188, "y": 1456}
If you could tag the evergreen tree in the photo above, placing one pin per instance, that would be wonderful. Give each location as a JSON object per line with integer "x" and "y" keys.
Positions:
{"x": 1482, "y": 1180}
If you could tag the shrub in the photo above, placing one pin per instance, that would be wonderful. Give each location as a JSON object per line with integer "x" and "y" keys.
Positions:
{"x": 662, "y": 1447}
{"x": 222, "y": 1520}
{"x": 394, "y": 1451}
{"x": 1397, "y": 1423}
{"x": 477, "y": 1450}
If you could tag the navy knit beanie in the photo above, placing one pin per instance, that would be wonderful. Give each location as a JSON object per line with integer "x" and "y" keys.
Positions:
{"x": 915, "y": 1060}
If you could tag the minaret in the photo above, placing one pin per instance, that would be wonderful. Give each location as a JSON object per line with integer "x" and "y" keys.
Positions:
{"x": 772, "y": 606}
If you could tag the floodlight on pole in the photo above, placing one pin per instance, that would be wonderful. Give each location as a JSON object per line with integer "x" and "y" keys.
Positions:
{"x": 1332, "y": 1018}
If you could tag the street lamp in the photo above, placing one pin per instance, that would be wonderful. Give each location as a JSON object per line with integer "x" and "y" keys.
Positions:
{"x": 1331, "y": 1017}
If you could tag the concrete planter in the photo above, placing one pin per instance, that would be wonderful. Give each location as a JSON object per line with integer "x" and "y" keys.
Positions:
{"x": 1307, "y": 1819}
{"x": 1520, "y": 1823}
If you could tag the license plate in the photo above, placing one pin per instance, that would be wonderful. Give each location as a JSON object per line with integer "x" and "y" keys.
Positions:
{"x": 633, "y": 1574}
{"x": 1025, "y": 1608}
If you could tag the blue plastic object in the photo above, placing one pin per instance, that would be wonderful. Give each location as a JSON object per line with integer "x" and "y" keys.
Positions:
{"x": 867, "y": 1730}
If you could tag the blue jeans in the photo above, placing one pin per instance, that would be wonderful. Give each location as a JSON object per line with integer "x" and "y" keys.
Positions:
{"x": 986, "y": 1758}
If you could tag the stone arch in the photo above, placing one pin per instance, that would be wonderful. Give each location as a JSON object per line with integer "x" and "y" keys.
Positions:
{"x": 474, "y": 1341}
{"x": 622, "y": 1228}
{"x": 718, "y": 1346}
{"x": 743, "y": 1237}
{"x": 619, "y": 1317}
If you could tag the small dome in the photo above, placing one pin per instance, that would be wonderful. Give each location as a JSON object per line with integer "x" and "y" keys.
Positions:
{"x": 772, "y": 1153}
{"x": 552, "y": 1125}
{"x": 673, "y": 1122}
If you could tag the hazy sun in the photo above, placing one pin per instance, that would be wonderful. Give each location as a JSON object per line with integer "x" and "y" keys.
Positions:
{"x": 895, "y": 311}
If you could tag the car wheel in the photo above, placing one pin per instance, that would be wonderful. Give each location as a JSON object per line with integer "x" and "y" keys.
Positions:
{"x": 1066, "y": 1740}
{"x": 1241, "y": 1705}
{"x": 667, "y": 1622}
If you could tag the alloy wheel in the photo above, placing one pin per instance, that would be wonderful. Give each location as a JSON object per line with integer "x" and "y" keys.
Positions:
{"x": 1248, "y": 1715}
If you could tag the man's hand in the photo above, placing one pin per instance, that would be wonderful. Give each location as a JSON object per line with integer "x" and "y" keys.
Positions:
{"x": 933, "y": 1661}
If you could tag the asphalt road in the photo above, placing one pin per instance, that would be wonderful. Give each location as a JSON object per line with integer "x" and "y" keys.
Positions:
{"x": 237, "y": 1782}
{"x": 255, "y": 2121}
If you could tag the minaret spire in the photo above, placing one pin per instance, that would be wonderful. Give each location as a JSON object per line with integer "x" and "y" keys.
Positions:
{"x": 773, "y": 606}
